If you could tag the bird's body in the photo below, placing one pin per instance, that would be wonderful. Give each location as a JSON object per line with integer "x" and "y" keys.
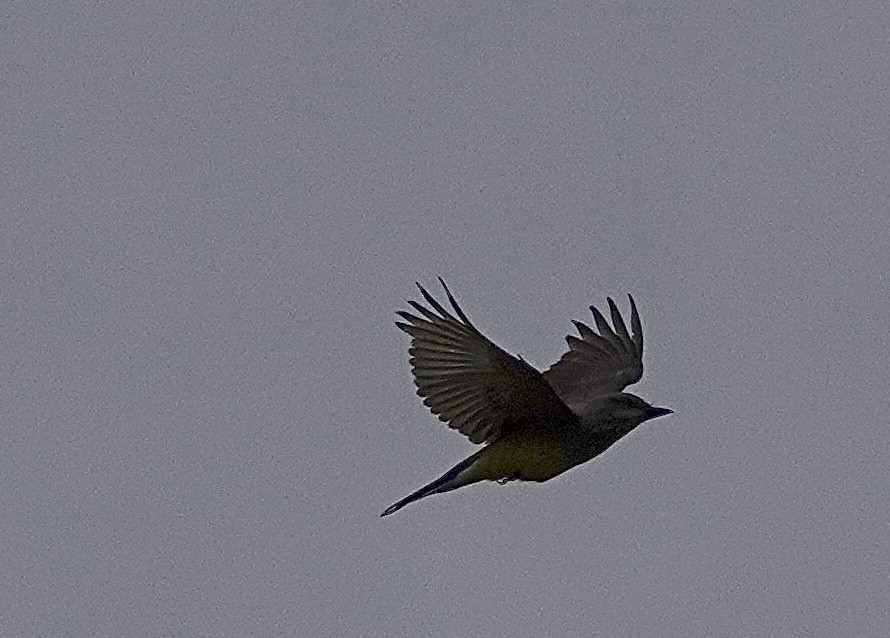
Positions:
{"x": 535, "y": 425}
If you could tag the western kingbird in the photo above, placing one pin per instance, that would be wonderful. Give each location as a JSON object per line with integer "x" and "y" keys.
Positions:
{"x": 535, "y": 425}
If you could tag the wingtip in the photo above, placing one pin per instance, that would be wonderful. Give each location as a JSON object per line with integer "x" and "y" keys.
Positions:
{"x": 597, "y": 313}
{"x": 423, "y": 290}
{"x": 456, "y": 306}
{"x": 447, "y": 290}
{"x": 404, "y": 327}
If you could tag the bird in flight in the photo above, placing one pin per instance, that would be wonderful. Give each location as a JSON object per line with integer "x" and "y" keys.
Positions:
{"x": 534, "y": 425}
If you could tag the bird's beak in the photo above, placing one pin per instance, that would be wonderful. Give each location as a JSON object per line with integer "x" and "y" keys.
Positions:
{"x": 654, "y": 412}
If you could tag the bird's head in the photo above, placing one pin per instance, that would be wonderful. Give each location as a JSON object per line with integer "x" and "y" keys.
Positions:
{"x": 632, "y": 409}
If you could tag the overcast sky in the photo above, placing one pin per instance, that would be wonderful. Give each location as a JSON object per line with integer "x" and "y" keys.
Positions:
{"x": 210, "y": 215}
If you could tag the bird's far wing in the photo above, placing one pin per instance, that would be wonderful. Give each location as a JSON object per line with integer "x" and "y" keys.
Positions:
{"x": 468, "y": 381}
{"x": 598, "y": 364}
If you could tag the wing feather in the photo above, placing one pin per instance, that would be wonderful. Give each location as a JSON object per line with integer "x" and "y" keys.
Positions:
{"x": 469, "y": 382}
{"x": 598, "y": 364}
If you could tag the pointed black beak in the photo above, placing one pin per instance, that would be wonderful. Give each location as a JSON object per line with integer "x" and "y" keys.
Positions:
{"x": 654, "y": 412}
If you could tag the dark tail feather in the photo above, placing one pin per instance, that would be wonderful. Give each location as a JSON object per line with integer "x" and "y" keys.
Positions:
{"x": 438, "y": 486}
{"x": 427, "y": 490}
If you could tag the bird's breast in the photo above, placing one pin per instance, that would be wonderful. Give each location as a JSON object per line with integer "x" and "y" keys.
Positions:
{"x": 528, "y": 458}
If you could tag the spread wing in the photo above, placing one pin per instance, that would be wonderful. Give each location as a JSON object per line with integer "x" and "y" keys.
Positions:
{"x": 469, "y": 382}
{"x": 598, "y": 364}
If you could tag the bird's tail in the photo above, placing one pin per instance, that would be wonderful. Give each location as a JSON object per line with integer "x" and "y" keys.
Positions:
{"x": 451, "y": 480}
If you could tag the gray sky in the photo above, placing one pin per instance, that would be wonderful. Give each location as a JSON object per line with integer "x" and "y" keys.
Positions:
{"x": 209, "y": 216}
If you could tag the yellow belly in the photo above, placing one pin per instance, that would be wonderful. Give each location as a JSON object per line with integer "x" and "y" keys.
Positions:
{"x": 526, "y": 459}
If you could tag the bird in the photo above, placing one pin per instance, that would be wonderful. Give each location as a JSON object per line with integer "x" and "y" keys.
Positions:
{"x": 534, "y": 425}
